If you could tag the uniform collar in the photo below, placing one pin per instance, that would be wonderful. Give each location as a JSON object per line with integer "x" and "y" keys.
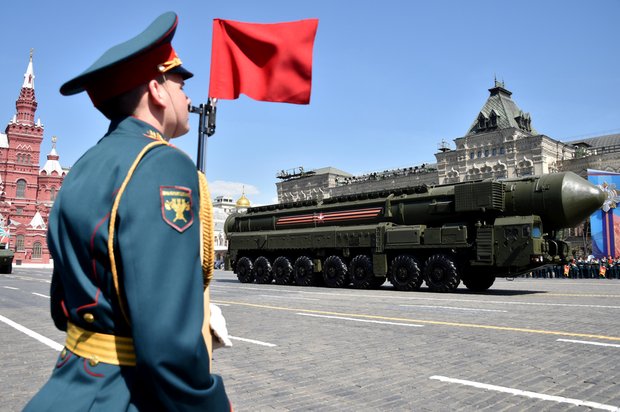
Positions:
{"x": 133, "y": 125}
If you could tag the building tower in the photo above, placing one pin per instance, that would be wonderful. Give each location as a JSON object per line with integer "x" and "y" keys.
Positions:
{"x": 501, "y": 143}
{"x": 50, "y": 177}
{"x": 24, "y": 201}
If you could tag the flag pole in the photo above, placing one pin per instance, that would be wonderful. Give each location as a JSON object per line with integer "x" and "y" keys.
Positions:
{"x": 206, "y": 128}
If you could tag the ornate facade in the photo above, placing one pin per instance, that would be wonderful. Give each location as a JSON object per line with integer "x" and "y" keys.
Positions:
{"x": 500, "y": 143}
{"x": 27, "y": 192}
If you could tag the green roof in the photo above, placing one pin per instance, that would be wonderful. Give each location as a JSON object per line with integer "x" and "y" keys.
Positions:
{"x": 501, "y": 112}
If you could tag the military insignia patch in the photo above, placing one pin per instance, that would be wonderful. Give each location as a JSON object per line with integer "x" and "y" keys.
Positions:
{"x": 176, "y": 207}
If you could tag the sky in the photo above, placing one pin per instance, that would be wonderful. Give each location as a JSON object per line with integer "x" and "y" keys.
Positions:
{"x": 391, "y": 79}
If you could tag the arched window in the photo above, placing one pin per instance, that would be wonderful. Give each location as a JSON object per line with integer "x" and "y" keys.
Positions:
{"x": 19, "y": 243}
{"x": 21, "y": 188}
{"x": 36, "y": 250}
{"x": 52, "y": 194}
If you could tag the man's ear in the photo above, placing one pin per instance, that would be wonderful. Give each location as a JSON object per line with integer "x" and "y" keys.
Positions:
{"x": 156, "y": 93}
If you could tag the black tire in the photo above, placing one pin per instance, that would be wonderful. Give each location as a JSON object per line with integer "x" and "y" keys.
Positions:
{"x": 360, "y": 270}
{"x": 335, "y": 272}
{"x": 6, "y": 269}
{"x": 478, "y": 283}
{"x": 244, "y": 270}
{"x": 283, "y": 271}
{"x": 440, "y": 274}
{"x": 262, "y": 270}
{"x": 304, "y": 271}
{"x": 405, "y": 273}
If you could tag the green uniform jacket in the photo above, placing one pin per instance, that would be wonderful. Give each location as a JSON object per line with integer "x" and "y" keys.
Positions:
{"x": 159, "y": 269}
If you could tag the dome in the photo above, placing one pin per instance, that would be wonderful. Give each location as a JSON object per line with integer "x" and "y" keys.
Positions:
{"x": 243, "y": 201}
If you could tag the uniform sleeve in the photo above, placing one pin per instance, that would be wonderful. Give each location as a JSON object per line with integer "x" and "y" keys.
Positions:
{"x": 158, "y": 237}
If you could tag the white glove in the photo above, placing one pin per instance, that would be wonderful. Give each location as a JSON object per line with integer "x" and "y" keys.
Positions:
{"x": 218, "y": 327}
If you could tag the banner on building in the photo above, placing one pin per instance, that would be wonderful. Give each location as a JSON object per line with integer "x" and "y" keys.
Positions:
{"x": 605, "y": 222}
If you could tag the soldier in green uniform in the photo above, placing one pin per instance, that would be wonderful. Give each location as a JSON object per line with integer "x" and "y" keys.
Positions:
{"x": 125, "y": 233}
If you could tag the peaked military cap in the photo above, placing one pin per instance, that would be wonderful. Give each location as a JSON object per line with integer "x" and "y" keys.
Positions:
{"x": 130, "y": 64}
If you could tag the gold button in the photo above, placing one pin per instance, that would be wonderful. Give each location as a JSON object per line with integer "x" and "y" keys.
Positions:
{"x": 94, "y": 361}
{"x": 88, "y": 317}
{"x": 63, "y": 354}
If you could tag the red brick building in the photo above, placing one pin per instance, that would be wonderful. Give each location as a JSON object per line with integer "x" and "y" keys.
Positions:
{"x": 27, "y": 191}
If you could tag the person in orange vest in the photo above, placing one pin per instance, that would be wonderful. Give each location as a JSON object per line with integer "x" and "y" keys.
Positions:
{"x": 605, "y": 262}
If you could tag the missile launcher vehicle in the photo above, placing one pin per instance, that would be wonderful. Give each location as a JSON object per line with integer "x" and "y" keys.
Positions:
{"x": 441, "y": 235}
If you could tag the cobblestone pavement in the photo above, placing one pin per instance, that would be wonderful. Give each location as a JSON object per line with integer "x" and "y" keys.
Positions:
{"x": 527, "y": 344}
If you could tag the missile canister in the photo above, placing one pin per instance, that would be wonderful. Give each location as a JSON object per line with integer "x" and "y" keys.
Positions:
{"x": 470, "y": 231}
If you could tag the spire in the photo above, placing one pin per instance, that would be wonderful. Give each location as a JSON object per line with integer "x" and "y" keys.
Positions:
{"x": 499, "y": 88}
{"x": 29, "y": 75}
{"x": 26, "y": 104}
{"x": 52, "y": 164}
{"x": 53, "y": 153}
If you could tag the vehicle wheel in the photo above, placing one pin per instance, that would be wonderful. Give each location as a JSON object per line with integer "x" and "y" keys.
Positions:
{"x": 478, "y": 283}
{"x": 360, "y": 270}
{"x": 405, "y": 273}
{"x": 283, "y": 271}
{"x": 304, "y": 271}
{"x": 440, "y": 274}
{"x": 335, "y": 272}
{"x": 262, "y": 270}
{"x": 244, "y": 271}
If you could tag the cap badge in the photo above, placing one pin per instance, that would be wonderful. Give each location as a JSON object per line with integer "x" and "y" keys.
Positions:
{"x": 169, "y": 65}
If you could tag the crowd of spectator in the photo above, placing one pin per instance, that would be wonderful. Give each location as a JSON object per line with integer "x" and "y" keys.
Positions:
{"x": 387, "y": 174}
{"x": 590, "y": 268}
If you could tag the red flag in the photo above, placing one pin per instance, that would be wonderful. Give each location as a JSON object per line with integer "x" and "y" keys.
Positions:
{"x": 270, "y": 62}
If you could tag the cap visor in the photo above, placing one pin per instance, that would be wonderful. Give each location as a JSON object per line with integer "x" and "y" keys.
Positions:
{"x": 185, "y": 74}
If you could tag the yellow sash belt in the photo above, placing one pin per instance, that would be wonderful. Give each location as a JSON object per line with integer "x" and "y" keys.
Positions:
{"x": 100, "y": 347}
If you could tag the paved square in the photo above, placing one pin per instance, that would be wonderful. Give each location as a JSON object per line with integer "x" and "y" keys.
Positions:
{"x": 527, "y": 344}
